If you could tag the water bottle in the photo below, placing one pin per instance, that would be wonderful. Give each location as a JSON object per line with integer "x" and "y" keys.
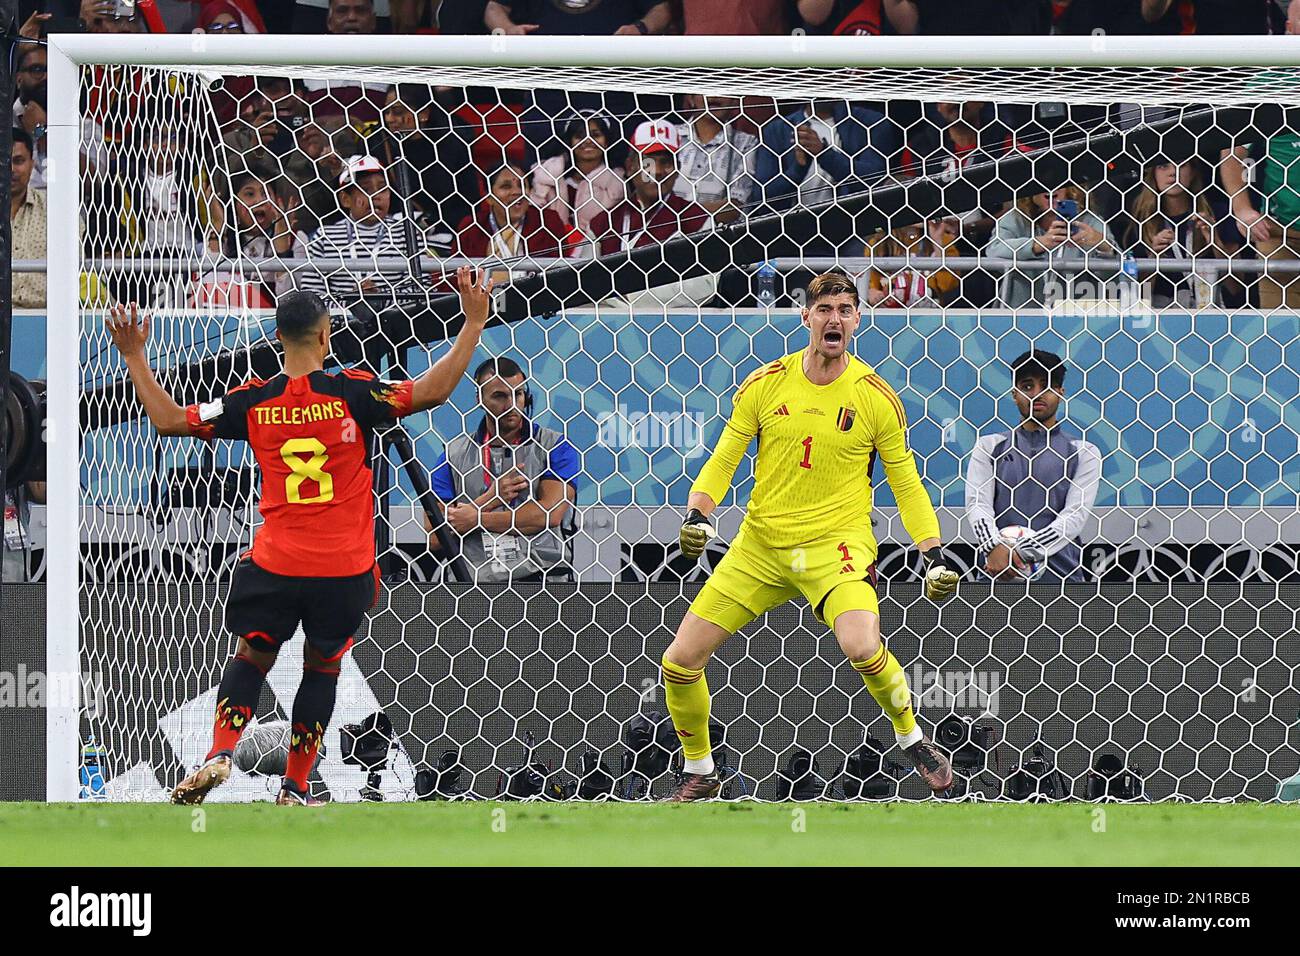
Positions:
{"x": 1130, "y": 288}
{"x": 1130, "y": 266}
{"x": 1204, "y": 281}
{"x": 766, "y": 283}
{"x": 92, "y": 770}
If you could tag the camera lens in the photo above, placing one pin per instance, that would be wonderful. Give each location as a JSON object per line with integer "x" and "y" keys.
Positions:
{"x": 22, "y": 423}
{"x": 1108, "y": 765}
{"x": 952, "y": 731}
{"x": 800, "y": 765}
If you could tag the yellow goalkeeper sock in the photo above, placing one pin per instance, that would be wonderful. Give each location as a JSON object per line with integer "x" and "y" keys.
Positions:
{"x": 687, "y": 693}
{"x": 888, "y": 685}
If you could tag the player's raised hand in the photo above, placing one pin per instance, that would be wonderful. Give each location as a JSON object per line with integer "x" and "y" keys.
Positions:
{"x": 695, "y": 534}
{"x": 475, "y": 295}
{"x": 940, "y": 578}
{"x": 129, "y": 328}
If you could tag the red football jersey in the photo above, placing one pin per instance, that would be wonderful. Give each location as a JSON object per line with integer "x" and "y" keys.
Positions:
{"x": 311, "y": 437}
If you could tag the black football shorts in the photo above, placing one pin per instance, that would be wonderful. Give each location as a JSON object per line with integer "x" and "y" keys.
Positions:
{"x": 265, "y": 608}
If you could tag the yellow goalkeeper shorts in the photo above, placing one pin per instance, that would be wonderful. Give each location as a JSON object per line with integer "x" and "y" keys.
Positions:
{"x": 753, "y": 578}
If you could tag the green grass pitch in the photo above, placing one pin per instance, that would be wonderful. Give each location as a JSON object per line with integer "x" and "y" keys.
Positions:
{"x": 651, "y": 834}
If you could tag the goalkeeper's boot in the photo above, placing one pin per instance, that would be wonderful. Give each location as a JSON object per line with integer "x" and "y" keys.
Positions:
{"x": 289, "y": 797}
{"x": 696, "y": 786}
{"x": 931, "y": 764}
{"x": 195, "y": 788}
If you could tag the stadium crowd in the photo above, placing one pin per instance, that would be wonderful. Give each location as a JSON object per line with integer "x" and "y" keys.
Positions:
{"x": 352, "y": 169}
{"x": 372, "y": 184}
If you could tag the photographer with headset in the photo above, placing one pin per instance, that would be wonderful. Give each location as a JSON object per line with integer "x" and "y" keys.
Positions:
{"x": 507, "y": 490}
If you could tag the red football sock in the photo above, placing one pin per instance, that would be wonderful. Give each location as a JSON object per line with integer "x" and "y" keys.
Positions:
{"x": 313, "y": 706}
{"x": 241, "y": 684}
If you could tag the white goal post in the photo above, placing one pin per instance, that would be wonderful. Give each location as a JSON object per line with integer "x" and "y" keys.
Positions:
{"x": 1158, "y": 72}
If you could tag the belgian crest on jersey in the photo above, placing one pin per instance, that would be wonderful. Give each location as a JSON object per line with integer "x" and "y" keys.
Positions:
{"x": 845, "y": 420}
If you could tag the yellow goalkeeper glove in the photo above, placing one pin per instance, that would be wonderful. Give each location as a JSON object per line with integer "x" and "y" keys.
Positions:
{"x": 695, "y": 534}
{"x": 940, "y": 578}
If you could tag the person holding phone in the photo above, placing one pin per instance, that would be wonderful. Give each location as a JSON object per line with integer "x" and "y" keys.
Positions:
{"x": 1055, "y": 224}
{"x": 1068, "y": 209}
{"x": 825, "y": 149}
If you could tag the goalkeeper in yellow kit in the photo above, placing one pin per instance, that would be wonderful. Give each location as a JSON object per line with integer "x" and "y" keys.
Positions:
{"x": 823, "y": 418}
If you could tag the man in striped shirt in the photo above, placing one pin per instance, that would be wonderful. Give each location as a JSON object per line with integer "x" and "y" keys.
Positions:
{"x": 1036, "y": 476}
{"x": 367, "y": 231}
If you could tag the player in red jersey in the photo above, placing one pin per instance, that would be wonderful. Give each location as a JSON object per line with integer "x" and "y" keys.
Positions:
{"x": 313, "y": 559}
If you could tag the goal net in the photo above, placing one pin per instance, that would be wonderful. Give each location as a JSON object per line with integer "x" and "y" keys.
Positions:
{"x": 652, "y": 211}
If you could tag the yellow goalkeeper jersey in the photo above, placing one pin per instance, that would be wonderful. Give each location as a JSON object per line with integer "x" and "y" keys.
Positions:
{"x": 817, "y": 448}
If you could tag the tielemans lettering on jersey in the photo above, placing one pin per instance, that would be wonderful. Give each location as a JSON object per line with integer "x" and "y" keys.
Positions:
{"x": 816, "y": 451}
{"x": 311, "y": 438}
